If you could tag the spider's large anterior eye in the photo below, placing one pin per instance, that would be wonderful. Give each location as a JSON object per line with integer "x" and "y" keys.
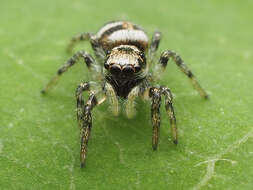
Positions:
{"x": 115, "y": 70}
{"x": 128, "y": 70}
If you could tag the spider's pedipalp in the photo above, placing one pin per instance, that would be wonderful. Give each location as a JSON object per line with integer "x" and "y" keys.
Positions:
{"x": 112, "y": 98}
{"x": 130, "y": 103}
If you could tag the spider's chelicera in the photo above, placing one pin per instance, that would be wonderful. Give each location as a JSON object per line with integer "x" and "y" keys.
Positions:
{"x": 125, "y": 68}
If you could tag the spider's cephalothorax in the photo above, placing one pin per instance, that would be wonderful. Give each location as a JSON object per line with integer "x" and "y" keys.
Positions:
{"x": 125, "y": 66}
{"x": 124, "y": 56}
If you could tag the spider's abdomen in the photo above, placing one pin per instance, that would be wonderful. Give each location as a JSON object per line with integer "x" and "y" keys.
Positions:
{"x": 122, "y": 33}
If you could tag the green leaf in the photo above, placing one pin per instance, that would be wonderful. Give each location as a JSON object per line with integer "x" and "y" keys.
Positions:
{"x": 39, "y": 137}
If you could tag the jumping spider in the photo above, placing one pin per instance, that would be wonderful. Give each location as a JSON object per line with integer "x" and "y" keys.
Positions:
{"x": 124, "y": 57}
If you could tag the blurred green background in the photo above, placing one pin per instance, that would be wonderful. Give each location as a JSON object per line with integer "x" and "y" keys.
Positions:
{"x": 39, "y": 137}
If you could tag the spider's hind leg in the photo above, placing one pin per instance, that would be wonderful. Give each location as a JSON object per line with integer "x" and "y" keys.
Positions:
{"x": 86, "y": 36}
{"x": 155, "y": 41}
{"x": 88, "y": 59}
{"x": 166, "y": 55}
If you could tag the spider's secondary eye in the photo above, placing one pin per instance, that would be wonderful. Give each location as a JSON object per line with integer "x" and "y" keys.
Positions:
{"x": 106, "y": 65}
{"x": 108, "y": 52}
{"x": 137, "y": 68}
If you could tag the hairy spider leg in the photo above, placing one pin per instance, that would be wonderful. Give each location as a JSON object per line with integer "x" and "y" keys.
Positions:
{"x": 166, "y": 55}
{"x": 86, "y": 125}
{"x": 112, "y": 98}
{"x": 155, "y": 94}
{"x": 88, "y": 59}
{"x": 84, "y": 116}
{"x": 170, "y": 111}
{"x": 79, "y": 100}
{"x": 155, "y": 41}
{"x": 86, "y": 36}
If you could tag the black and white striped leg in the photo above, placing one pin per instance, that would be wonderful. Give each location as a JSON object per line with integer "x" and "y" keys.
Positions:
{"x": 155, "y": 95}
{"x": 112, "y": 98}
{"x": 84, "y": 117}
{"x": 154, "y": 44}
{"x": 86, "y": 36}
{"x": 166, "y": 55}
{"x": 86, "y": 125}
{"x": 80, "y": 102}
{"x": 88, "y": 59}
{"x": 170, "y": 111}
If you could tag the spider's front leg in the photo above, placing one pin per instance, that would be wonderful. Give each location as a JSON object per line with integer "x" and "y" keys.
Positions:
{"x": 166, "y": 55}
{"x": 155, "y": 95}
{"x": 84, "y": 116}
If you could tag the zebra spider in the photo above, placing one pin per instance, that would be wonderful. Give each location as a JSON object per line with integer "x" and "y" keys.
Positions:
{"x": 124, "y": 57}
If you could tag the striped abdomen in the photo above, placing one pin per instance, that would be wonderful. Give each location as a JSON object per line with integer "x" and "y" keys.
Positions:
{"x": 122, "y": 33}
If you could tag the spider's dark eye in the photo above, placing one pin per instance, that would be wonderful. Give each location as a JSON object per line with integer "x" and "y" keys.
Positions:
{"x": 108, "y": 52}
{"x": 141, "y": 54}
{"x": 137, "y": 68}
{"x": 128, "y": 70}
{"x": 106, "y": 65}
{"x": 115, "y": 70}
